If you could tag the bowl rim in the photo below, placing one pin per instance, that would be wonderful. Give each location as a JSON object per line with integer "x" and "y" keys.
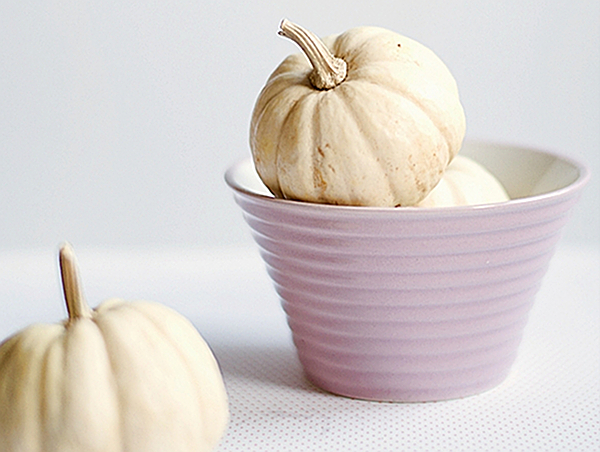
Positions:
{"x": 574, "y": 187}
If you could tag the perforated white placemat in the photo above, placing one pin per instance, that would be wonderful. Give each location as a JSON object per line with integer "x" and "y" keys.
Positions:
{"x": 550, "y": 401}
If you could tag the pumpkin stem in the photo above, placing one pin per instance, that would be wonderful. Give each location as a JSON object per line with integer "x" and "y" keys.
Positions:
{"x": 72, "y": 290}
{"x": 328, "y": 70}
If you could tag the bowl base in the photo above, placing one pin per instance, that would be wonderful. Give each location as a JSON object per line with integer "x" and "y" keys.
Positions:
{"x": 408, "y": 395}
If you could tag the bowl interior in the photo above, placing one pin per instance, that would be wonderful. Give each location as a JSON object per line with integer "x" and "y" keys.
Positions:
{"x": 522, "y": 171}
{"x": 244, "y": 177}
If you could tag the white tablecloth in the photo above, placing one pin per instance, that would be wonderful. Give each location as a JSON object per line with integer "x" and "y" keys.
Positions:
{"x": 551, "y": 400}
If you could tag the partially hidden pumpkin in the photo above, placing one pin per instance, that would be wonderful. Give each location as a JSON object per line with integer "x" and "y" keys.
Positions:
{"x": 127, "y": 376}
{"x": 368, "y": 117}
{"x": 465, "y": 183}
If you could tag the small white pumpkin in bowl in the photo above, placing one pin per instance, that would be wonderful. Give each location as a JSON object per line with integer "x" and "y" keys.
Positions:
{"x": 126, "y": 376}
{"x": 368, "y": 117}
{"x": 465, "y": 183}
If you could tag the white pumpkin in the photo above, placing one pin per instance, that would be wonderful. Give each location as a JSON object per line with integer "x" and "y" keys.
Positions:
{"x": 464, "y": 183}
{"x": 127, "y": 376}
{"x": 367, "y": 117}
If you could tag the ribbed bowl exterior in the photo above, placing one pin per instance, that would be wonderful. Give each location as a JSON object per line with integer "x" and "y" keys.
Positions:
{"x": 406, "y": 304}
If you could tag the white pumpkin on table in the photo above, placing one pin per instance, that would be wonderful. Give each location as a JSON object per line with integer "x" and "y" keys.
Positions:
{"x": 126, "y": 376}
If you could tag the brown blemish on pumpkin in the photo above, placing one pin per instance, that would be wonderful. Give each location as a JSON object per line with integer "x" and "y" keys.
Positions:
{"x": 420, "y": 186}
{"x": 319, "y": 181}
{"x": 410, "y": 160}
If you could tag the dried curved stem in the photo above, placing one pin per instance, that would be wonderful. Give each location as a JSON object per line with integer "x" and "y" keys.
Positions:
{"x": 77, "y": 307}
{"x": 328, "y": 70}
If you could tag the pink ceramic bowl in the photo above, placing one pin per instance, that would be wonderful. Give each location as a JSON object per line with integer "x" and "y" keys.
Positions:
{"x": 413, "y": 304}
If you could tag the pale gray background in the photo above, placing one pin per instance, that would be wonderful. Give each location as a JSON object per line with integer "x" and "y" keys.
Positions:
{"x": 118, "y": 118}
